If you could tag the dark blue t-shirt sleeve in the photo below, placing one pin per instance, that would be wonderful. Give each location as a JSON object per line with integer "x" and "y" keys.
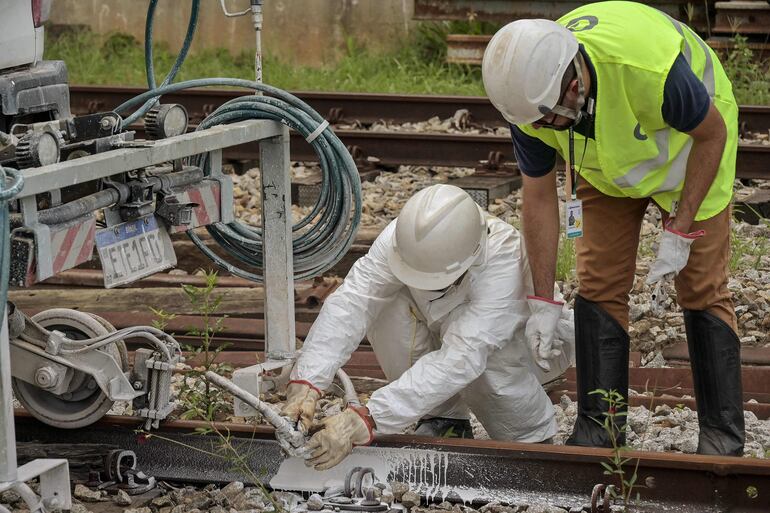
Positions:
{"x": 685, "y": 99}
{"x": 534, "y": 157}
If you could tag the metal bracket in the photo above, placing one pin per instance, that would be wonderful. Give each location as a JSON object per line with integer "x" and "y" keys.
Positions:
{"x": 358, "y": 495}
{"x": 28, "y": 367}
{"x": 176, "y": 213}
{"x": 227, "y": 209}
{"x": 42, "y": 235}
{"x": 102, "y": 366}
{"x": 251, "y": 379}
{"x": 603, "y": 493}
{"x": 54, "y": 488}
{"x": 140, "y": 199}
{"x": 120, "y": 473}
{"x": 280, "y": 344}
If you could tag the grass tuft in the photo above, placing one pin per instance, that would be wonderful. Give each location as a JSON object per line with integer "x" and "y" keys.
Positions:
{"x": 746, "y": 252}
{"x": 749, "y": 76}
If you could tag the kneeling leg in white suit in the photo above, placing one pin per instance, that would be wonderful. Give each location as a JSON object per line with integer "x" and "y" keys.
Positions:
{"x": 399, "y": 339}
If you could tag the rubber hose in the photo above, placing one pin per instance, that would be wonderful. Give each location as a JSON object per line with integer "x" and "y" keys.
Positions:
{"x": 323, "y": 236}
{"x": 148, "y": 56}
{"x": 78, "y": 207}
{"x": 351, "y": 396}
{"x": 107, "y": 197}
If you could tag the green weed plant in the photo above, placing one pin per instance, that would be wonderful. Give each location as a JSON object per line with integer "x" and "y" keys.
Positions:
{"x": 200, "y": 399}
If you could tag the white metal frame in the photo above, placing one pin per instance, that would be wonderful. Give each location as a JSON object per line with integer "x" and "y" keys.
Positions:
{"x": 280, "y": 348}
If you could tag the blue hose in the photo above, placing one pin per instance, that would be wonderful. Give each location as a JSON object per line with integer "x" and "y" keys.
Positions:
{"x": 149, "y": 65}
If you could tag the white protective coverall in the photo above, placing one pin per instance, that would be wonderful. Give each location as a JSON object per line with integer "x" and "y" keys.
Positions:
{"x": 442, "y": 351}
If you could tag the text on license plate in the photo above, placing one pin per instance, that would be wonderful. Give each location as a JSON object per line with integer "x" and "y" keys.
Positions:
{"x": 133, "y": 250}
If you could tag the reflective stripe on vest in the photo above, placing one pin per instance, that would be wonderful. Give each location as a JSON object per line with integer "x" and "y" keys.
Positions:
{"x": 678, "y": 167}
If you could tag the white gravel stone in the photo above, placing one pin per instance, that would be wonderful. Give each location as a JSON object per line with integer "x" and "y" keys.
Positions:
{"x": 232, "y": 490}
{"x": 85, "y": 494}
{"x": 315, "y": 503}
{"x": 122, "y": 498}
{"x": 79, "y": 508}
{"x": 410, "y": 499}
{"x": 667, "y": 429}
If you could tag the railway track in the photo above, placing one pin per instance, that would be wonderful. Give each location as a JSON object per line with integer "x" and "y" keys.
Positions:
{"x": 243, "y": 331}
{"x": 508, "y": 472}
{"x": 400, "y": 148}
{"x": 501, "y": 471}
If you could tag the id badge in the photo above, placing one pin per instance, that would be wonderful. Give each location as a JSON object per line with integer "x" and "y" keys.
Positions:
{"x": 573, "y": 219}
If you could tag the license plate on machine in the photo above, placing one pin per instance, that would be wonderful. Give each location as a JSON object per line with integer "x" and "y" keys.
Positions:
{"x": 133, "y": 250}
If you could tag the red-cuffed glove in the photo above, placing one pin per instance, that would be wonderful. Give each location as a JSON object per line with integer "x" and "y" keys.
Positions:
{"x": 301, "y": 398}
{"x": 336, "y": 436}
{"x": 673, "y": 253}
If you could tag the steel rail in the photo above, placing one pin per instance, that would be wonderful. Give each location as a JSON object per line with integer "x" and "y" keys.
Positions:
{"x": 451, "y": 150}
{"x": 399, "y": 148}
{"x": 337, "y": 107}
{"x": 505, "y": 471}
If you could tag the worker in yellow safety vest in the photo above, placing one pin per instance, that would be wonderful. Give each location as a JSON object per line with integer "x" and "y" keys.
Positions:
{"x": 641, "y": 109}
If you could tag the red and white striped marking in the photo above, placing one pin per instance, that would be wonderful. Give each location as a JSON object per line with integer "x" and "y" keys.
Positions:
{"x": 72, "y": 245}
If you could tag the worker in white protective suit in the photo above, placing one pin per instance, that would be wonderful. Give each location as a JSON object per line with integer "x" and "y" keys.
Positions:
{"x": 442, "y": 298}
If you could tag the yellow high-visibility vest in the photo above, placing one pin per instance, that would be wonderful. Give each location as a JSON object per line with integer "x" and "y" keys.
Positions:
{"x": 635, "y": 153}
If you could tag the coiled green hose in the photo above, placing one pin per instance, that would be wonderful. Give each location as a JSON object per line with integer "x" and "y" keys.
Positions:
{"x": 322, "y": 237}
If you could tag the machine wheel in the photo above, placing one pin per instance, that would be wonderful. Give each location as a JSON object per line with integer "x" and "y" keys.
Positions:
{"x": 84, "y": 403}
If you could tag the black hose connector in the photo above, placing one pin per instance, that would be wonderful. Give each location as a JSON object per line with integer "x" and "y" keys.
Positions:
{"x": 116, "y": 192}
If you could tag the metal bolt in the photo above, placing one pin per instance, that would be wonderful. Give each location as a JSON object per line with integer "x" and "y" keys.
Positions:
{"x": 106, "y": 123}
{"x": 46, "y": 377}
{"x": 138, "y": 385}
{"x": 369, "y": 498}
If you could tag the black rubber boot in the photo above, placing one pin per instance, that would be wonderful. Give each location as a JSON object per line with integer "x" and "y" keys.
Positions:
{"x": 440, "y": 427}
{"x": 601, "y": 347}
{"x": 715, "y": 358}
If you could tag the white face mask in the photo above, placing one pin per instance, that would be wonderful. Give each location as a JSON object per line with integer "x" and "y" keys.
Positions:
{"x": 437, "y": 304}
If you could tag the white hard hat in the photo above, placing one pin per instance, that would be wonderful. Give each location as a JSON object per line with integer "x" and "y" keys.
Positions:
{"x": 523, "y": 67}
{"x": 439, "y": 234}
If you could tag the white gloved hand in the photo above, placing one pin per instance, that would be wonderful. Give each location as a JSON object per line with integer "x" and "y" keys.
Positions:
{"x": 336, "y": 436}
{"x": 301, "y": 398}
{"x": 541, "y": 330}
{"x": 673, "y": 253}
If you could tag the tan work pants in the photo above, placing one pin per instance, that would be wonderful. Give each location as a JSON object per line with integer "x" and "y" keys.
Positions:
{"x": 606, "y": 257}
